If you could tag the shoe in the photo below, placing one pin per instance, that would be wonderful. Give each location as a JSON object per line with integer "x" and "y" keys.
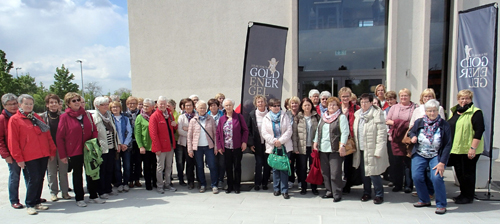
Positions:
{"x": 104, "y": 196}
{"x": 378, "y": 200}
{"x": 290, "y": 185}
{"x": 41, "y": 207}
{"x": 337, "y": 199}
{"x": 120, "y": 188}
{"x": 396, "y": 189}
{"x": 220, "y": 184}
{"x": 303, "y": 191}
{"x": 31, "y": 211}
{"x": 421, "y": 204}
{"x": 414, "y": 194}
{"x": 131, "y": 185}
{"x": 228, "y": 191}
{"x": 97, "y": 201}
{"x": 81, "y": 203}
{"x": 390, "y": 184}
{"x": 43, "y": 200}
{"x": 53, "y": 197}
{"x": 463, "y": 200}
{"x": 149, "y": 188}
{"x": 366, "y": 197}
{"x": 408, "y": 190}
{"x": 70, "y": 189}
{"x": 160, "y": 190}
{"x": 202, "y": 189}
{"x": 182, "y": 183}
{"x": 17, "y": 205}
{"x": 237, "y": 191}
{"x": 190, "y": 186}
{"x": 276, "y": 193}
{"x": 457, "y": 197}
{"x": 440, "y": 211}
{"x": 256, "y": 188}
{"x": 66, "y": 196}
{"x": 215, "y": 190}
{"x": 138, "y": 183}
{"x": 170, "y": 188}
{"x": 264, "y": 187}
{"x": 286, "y": 196}
{"x": 126, "y": 188}
{"x": 315, "y": 191}
{"x": 346, "y": 190}
{"x": 327, "y": 196}
{"x": 432, "y": 197}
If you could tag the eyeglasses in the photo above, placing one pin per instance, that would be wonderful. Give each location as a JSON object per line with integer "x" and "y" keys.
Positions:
{"x": 11, "y": 104}
{"x": 77, "y": 100}
{"x": 275, "y": 106}
{"x": 324, "y": 99}
{"x": 364, "y": 102}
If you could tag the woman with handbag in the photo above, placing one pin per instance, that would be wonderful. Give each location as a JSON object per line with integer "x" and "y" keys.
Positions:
{"x": 330, "y": 139}
{"x": 304, "y": 129}
{"x": 277, "y": 132}
{"x": 371, "y": 158}
{"x": 76, "y": 126}
{"x": 200, "y": 142}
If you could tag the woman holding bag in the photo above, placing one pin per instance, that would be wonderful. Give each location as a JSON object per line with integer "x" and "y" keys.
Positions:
{"x": 277, "y": 132}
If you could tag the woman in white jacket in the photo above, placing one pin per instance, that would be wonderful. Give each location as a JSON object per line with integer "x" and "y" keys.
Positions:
{"x": 371, "y": 142}
{"x": 277, "y": 132}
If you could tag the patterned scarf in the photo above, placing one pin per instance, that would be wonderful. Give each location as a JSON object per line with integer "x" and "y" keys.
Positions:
{"x": 105, "y": 117}
{"x": 362, "y": 117}
{"x": 275, "y": 118}
{"x": 331, "y": 118}
{"x": 165, "y": 114}
{"x": 190, "y": 115}
{"x": 322, "y": 109}
{"x": 202, "y": 118}
{"x": 35, "y": 121}
{"x": 145, "y": 115}
{"x": 430, "y": 127}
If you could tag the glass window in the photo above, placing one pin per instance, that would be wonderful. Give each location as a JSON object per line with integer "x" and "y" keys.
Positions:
{"x": 342, "y": 34}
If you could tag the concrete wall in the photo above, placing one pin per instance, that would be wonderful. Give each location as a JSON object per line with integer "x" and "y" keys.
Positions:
{"x": 179, "y": 48}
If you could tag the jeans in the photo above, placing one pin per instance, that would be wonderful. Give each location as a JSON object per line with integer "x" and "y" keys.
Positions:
{"x": 136, "y": 159}
{"x": 36, "y": 171}
{"x": 261, "y": 175}
{"x": 123, "y": 178}
{"x": 92, "y": 185}
{"x": 368, "y": 180}
{"x": 280, "y": 177}
{"x": 419, "y": 169}
{"x": 14, "y": 175}
{"x": 180, "y": 160}
{"x": 221, "y": 166}
{"x": 106, "y": 172}
{"x": 200, "y": 168}
{"x": 150, "y": 169}
{"x": 233, "y": 157}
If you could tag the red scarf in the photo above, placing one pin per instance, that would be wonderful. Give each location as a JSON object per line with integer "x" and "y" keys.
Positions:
{"x": 73, "y": 113}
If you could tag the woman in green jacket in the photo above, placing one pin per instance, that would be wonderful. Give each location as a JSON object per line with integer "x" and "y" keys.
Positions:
{"x": 143, "y": 140}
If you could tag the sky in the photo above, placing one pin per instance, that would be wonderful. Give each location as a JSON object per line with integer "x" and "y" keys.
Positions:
{"x": 40, "y": 35}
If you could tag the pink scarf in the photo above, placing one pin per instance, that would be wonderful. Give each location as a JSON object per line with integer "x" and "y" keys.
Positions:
{"x": 330, "y": 118}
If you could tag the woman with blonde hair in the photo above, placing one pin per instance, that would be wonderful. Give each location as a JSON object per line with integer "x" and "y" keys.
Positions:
{"x": 294, "y": 104}
{"x": 380, "y": 96}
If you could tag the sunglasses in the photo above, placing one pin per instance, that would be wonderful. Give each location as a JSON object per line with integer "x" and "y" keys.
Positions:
{"x": 77, "y": 100}
{"x": 275, "y": 106}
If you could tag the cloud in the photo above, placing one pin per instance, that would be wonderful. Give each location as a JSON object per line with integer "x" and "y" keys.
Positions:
{"x": 39, "y": 36}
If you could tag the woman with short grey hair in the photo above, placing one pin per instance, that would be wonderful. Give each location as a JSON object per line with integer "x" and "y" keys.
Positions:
{"x": 314, "y": 96}
{"x": 322, "y": 106}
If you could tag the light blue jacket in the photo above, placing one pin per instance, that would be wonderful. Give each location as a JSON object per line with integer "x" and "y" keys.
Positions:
{"x": 124, "y": 129}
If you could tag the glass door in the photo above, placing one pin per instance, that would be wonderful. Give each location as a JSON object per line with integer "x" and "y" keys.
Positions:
{"x": 328, "y": 84}
{"x": 362, "y": 85}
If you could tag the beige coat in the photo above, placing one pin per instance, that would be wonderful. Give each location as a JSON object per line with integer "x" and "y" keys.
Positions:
{"x": 375, "y": 142}
{"x": 195, "y": 130}
{"x": 299, "y": 136}
{"x": 286, "y": 132}
{"x": 101, "y": 130}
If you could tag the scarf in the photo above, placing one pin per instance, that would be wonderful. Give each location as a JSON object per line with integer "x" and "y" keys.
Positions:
{"x": 261, "y": 114}
{"x": 8, "y": 113}
{"x": 275, "y": 118}
{"x": 105, "y": 117}
{"x": 75, "y": 114}
{"x": 165, "y": 115}
{"x": 330, "y": 118}
{"x": 464, "y": 108}
{"x": 189, "y": 116}
{"x": 362, "y": 117}
{"x": 430, "y": 127}
{"x": 322, "y": 109}
{"x": 145, "y": 115}
{"x": 202, "y": 118}
{"x": 35, "y": 121}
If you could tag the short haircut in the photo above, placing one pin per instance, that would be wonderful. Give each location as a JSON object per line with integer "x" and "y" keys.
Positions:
{"x": 200, "y": 103}
{"x": 312, "y": 92}
{"x": 427, "y": 92}
{"x": 391, "y": 95}
{"x": 379, "y": 85}
{"x": 213, "y": 101}
{"x": 333, "y": 99}
{"x": 114, "y": 103}
{"x": 367, "y": 96}
{"x": 69, "y": 96}
{"x": 132, "y": 98}
{"x": 344, "y": 90}
{"x": 325, "y": 93}
{"x": 98, "y": 101}
{"x": 181, "y": 104}
{"x": 52, "y": 96}
{"x": 219, "y": 95}
{"x": 465, "y": 93}
{"x": 304, "y": 100}
{"x": 139, "y": 100}
{"x": 162, "y": 98}
{"x": 8, "y": 97}
{"x": 25, "y": 96}
{"x": 287, "y": 103}
{"x": 274, "y": 101}
{"x": 257, "y": 97}
{"x": 228, "y": 100}
{"x": 193, "y": 96}
{"x": 432, "y": 103}
{"x": 188, "y": 100}
{"x": 149, "y": 101}
{"x": 405, "y": 90}
{"x": 294, "y": 99}
{"x": 172, "y": 102}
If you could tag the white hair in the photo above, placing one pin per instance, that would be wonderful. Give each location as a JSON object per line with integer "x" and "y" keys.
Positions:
{"x": 100, "y": 100}
{"x": 200, "y": 102}
{"x": 148, "y": 100}
{"x": 325, "y": 93}
{"x": 162, "y": 98}
{"x": 228, "y": 100}
{"x": 25, "y": 96}
{"x": 8, "y": 97}
{"x": 312, "y": 92}
{"x": 432, "y": 104}
{"x": 193, "y": 96}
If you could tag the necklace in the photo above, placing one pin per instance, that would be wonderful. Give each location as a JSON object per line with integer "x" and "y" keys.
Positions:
{"x": 53, "y": 118}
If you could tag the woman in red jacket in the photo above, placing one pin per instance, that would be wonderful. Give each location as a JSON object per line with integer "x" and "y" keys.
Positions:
{"x": 31, "y": 146}
{"x": 75, "y": 128}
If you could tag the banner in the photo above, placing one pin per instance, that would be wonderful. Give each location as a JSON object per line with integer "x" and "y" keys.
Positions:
{"x": 264, "y": 63}
{"x": 476, "y": 61}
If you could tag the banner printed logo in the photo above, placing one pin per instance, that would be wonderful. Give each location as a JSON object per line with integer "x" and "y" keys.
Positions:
{"x": 474, "y": 67}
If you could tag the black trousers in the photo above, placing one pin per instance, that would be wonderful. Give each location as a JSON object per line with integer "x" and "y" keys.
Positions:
{"x": 92, "y": 185}
{"x": 402, "y": 172}
{"x": 150, "y": 169}
{"x": 465, "y": 169}
{"x": 262, "y": 168}
{"x": 293, "y": 167}
{"x": 233, "y": 157}
{"x": 136, "y": 159}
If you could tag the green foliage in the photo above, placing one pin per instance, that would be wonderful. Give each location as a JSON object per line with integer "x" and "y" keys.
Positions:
{"x": 7, "y": 84}
{"x": 62, "y": 82}
{"x": 124, "y": 93}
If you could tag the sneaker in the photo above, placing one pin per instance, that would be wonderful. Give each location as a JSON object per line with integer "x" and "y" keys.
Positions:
{"x": 120, "y": 188}
{"x": 31, "y": 211}
{"x": 170, "y": 188}
{"x": 440, "y": 211}
{"x": 97, "y": 201}
{"x": 41, "y": 207}
{"x": 81, "y": 203}
{"x": 290, "y": 185}
{"x": 104, "y": 196}
{"x": 138, "y": 183}
{"x": 215, "y": 190}
{"x": 66, "y": 196}
{"x": 202, "y": 189}
{"x": 421, "y": 204}
{"x": 160, "y": 190}
{"x": 53, "y": 197}
{"x": 126, "y": 188}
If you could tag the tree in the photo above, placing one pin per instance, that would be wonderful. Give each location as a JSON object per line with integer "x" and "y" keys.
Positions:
{"x": 124, "y": 93}
{"x": 92, "y": 89}
{"x": 26, "y": 84}
{"x": 62, "y": 82}
{"x": 39, "y": 97}
{"x": 7, "y": 82}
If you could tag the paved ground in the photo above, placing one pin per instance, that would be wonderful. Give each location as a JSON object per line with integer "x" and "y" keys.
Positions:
{"x": 184, "y": 206}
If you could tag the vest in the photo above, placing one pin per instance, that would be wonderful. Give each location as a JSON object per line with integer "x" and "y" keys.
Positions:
{"x": 464, "y": 133}
{"x": 334, "y": 133}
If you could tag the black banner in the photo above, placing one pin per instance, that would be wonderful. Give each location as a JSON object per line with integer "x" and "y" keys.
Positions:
{"x": 264, "y": 63}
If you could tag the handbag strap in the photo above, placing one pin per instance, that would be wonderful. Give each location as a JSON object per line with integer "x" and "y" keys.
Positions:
{"x": 205, "y": 130}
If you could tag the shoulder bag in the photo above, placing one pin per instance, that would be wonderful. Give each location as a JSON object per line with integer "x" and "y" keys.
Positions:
{"x": 279, "y": 162}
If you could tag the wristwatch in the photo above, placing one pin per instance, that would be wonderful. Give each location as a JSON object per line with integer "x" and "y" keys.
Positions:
{"x": 472, "y": 148}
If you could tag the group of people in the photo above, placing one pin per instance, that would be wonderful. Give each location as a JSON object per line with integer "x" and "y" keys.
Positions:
{"x": 406, "y": 143}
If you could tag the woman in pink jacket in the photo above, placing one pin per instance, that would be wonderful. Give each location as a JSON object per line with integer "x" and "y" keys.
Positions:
{"x": 201, "y": 142}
